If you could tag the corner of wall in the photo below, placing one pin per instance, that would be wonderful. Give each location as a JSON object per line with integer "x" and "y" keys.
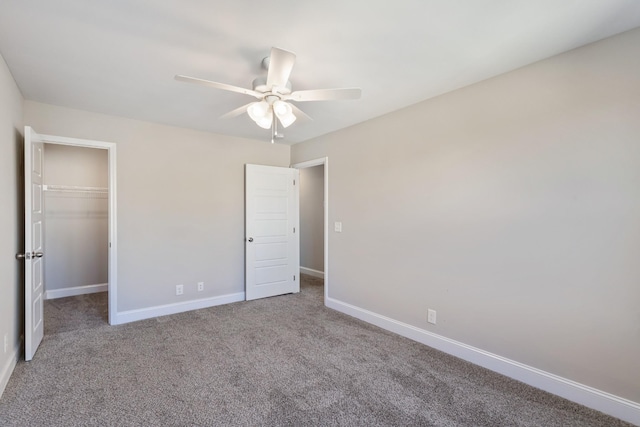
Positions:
{"x": 9, "y": 365}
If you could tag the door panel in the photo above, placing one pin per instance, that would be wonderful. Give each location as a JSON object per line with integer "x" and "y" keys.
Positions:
{"x": 33, "y": 230}
{"x": 272, "y": 231}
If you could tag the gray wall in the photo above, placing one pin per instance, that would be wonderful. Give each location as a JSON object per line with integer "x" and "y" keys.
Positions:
{"x": 312, "y": 218}
{"x": 180, "y": 196}
{"x": 76, "y": 224}
{"x": 511, "y": 207}
{"x": 11, "y": 219}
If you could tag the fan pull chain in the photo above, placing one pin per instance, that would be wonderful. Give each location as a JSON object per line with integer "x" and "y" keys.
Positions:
{"x": 274, "y": 129}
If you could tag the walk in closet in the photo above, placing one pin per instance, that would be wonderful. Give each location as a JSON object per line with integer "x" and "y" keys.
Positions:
{"x": 76, "y": 220}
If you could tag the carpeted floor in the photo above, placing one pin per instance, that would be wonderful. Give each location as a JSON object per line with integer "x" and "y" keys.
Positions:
{"x": 285, "y": 360}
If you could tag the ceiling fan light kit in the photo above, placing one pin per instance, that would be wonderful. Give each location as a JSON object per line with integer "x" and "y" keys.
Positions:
{"x": 274, "y": 91}
{"x": 284, "y": 112}
{"x": 263, "y": 112}
{"x": 260, "y": 112}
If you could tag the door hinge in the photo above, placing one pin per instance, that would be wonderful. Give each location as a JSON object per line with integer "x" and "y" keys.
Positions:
{"x": 294, "y": 182}
{"x": 294, "y": 229}
{"x": 294, "y": 277}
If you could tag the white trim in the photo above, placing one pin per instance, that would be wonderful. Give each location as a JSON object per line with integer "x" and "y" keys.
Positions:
{"x": 75, "y": 290}
{"x": 624, "y": 409}
{"x": 8, "y": 368}
{"x": 113, "y": 237}
{"x": 326, "y": 230}
{"x": 178, "y": 307}
{"x": 113, "y": 233}
{"x": 309, "y": 164}
{"x": 312, "y": 272}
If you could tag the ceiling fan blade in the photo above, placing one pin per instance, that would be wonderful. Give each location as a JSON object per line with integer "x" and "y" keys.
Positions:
{"x": 324, "y": 94}
{"x": 280, "y": 65}
{"x": 217, "y": 85}
{"x": 300, "y": 115}
{"x": 235, "y": 113}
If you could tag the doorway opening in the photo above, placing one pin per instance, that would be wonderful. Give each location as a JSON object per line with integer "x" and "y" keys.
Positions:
{"x": 314, "y": 214}
{"x": 35, "y": 188}
{"x": 108, "y": 190}
{"x": 76, "y": 235}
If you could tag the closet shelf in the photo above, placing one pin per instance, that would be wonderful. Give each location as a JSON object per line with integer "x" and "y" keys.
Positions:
{"x": 75, "y": 189}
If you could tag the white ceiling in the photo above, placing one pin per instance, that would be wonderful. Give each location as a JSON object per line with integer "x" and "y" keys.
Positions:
{"x": 119, "y": 57}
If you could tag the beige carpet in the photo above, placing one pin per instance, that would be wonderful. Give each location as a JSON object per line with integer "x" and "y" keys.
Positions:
{"x": 282, "y": 361}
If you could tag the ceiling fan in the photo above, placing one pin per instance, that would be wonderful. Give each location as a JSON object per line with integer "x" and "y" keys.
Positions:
{"x": 274, "y": 94}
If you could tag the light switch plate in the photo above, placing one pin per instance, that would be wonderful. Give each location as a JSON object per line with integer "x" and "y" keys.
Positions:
{"x": 431, "y": 316}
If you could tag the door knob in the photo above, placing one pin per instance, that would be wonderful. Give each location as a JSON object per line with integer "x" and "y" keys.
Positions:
{"x": 30, "y": 255}
{"x": 250, "y": 239}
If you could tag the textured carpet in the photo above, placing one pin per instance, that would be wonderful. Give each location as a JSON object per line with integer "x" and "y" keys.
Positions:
{"x": 286, "y": 360}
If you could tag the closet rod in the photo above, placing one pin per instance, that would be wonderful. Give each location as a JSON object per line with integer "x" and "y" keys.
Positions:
{"x": 75, "y": 189}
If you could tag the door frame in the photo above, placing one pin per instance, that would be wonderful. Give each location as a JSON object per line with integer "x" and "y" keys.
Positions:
{"x": 112, "y": 285}
{"x": 309, "y": 164}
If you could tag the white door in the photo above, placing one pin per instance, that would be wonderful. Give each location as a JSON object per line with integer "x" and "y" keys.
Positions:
{"x": 33, "y": 232}
{"x": 272, "y": 242}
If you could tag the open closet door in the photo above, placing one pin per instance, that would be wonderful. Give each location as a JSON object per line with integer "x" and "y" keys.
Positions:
{"x": 272, "y": 246}
{"x": 33, "y": 232}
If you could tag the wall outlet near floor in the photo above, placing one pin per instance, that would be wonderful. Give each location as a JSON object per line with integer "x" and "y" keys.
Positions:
{"x": 431, "y": 316}
{"x": 179, "y": 289}
{"x": 200, "y": 286}
{"x": 337, "y": 227}
{"x": 6, "y": 342}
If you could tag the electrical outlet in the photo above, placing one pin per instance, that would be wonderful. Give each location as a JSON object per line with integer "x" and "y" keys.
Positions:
{"x": 6, "y": 342}
{"x": 431, "y": 316}
{"x": 179, "y": 289}
{"x": 200, "y": 286}
{"x": 337, "y": 227}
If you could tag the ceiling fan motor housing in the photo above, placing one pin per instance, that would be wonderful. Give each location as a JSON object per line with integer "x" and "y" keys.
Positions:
{"x": 260, "y": 85}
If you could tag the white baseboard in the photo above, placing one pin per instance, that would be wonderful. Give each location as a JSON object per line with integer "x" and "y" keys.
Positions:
{"x": 76, "y": 290}
{"x": 610, "y": 404}
{"x": 7, "y": 369}
{"x": 178, "y": 307}
{"x": 312, "y": 272}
